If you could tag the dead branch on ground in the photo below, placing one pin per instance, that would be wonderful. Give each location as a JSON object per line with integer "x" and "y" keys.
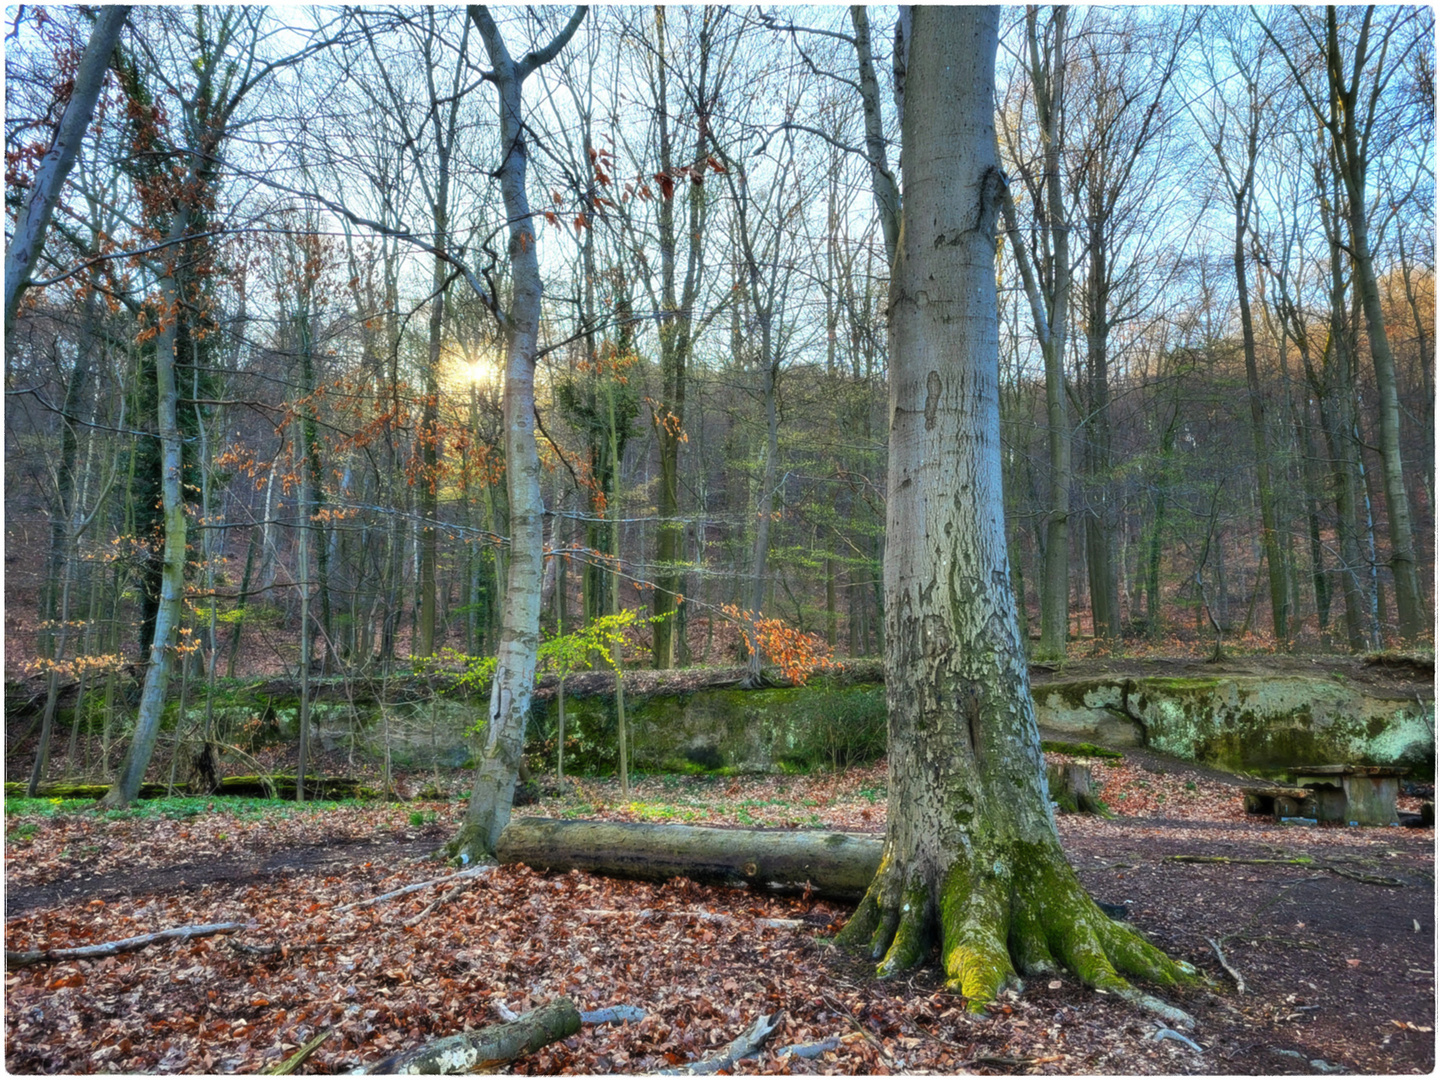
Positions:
{"x": 124, "y": 945}
{"x": 746, "y": 1045}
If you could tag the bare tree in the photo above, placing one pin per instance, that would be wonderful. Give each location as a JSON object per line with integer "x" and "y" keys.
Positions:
{"x": 1349, "y": 108}
{"x": 971, "y": 855}
{"x": 1045, "y": 270}
{"x": 34, "y": 220}
{"x": 499, "y": 762}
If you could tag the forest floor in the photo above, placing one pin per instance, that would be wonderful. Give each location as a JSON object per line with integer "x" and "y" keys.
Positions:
{"x": 1337, "y": 949}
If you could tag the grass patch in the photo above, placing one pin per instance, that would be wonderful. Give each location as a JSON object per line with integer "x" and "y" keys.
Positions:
{"x": 22, "y": 832}
{"x": 176, "y": 807}
{"x": 1079, "y": 749}
{"x": 662, "y": 812}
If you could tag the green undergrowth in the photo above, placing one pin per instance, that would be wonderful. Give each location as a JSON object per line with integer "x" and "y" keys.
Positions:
{"x": 174, "y": 808}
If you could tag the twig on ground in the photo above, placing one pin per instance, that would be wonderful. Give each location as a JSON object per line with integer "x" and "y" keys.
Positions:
{"x": 1368, "y": 879}
{"x": 1239, "y": 979}
{"x": 282, "y": 949}
{"x": 840, "y": 1008}
{"x": 443, "y": 898}
{"x": 997, "y": 1062}
{"x": 646, "y": 914}
{"x": 124, "y": 945}
{"x": 474, "y": 871}
{"x": 746, "y": 1045}
{"x": 1302, "y": 860}
{"x": 1166, "y": 1033}
{"x": 295, "y": 1060}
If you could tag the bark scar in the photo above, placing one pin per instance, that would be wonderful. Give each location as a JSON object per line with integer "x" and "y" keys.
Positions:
{"x": 993, "y": 185}
{"x": 932, "y": 399}
{"x": 970, "y": 706}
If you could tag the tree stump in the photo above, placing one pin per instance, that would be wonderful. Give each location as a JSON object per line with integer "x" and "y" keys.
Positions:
{"x": 1072, "y": 788}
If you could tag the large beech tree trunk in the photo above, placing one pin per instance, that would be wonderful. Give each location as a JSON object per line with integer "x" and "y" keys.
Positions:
{"x": 971, "y": 853}
{"x": 835, "y": 864}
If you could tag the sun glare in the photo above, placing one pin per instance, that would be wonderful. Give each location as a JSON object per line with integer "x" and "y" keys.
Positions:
{"x": 465, "y": 369}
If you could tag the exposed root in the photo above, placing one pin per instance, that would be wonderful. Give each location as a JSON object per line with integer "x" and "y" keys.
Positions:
{"x": 468, "y": 847}
{"x": 1024, "y": 914}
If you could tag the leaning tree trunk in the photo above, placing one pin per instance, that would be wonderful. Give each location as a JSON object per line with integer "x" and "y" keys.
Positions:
{"x": 34, "y": 219}
{"x": 494, "y": 787}
{"x": 172, "y": 574}
{"x": 971, "y": 853}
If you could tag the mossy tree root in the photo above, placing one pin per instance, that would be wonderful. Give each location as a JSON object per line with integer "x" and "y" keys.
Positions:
{"x": 468, "y": 847}
{"x": 1024, "y": 913}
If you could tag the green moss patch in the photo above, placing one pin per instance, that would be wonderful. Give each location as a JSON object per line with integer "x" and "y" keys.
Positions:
{"x": 1080, "y": 749}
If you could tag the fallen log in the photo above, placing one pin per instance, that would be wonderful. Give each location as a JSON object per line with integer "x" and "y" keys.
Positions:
{"x": 834, "y": 864}
{"x": 124, "y": 945}
{"x": 474, "y": 1051}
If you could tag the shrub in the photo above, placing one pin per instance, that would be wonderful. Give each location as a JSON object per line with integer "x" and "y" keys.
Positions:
{"x": 833, "y": 728}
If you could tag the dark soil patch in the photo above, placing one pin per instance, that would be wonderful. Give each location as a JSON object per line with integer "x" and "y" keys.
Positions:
{"x": 1333, "y": 966}
{"x": 244, "y": 868}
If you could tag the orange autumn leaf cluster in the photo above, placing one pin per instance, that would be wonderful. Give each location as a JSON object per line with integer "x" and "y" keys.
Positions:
{"x": 797, "y": 654}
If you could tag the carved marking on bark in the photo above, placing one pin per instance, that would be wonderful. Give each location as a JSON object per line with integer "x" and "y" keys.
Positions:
{"x": 932, "y": 399}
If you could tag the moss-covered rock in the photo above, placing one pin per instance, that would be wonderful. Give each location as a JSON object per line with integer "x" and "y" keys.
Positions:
{"x": 823, "y": 724}
{"x": 1270, "y": 724}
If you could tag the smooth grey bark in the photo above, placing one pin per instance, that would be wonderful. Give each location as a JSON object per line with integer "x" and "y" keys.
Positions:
{"x": 514, "y": 680}
{"x": 971, "y": 854}
{"x": 172, "y": 576}
{"x": 34, "y": 220}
